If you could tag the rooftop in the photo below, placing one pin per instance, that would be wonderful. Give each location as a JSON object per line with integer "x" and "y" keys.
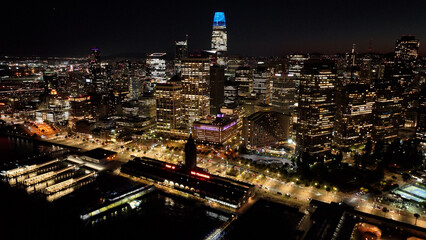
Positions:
{"x": 99, "y": 153}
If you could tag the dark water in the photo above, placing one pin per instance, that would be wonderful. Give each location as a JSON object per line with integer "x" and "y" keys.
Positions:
{"x": 160, "y": 216}
{"x": 13, "y": 149}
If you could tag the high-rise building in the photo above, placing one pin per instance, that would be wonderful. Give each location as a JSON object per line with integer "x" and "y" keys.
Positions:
{"x": 219, "y": 37}
{"x": 195, "y": 80}
{"x": 94, "y": 58}
{"x": 51, "y": 80}
{"x": 169, "y": 104}
{"x": 244, "y": 78}
{"x": 354, "y": 115}
{"x": 231, "y": 94}
{"x": 421, "y": 126}
{"x": 283, "y": 93}
{"x": 387, "y": 111}
{"x": 402, "y": 73}
{"x": 135, "y": 87}
{"x": 156, "y": 67}
{"x": 295, "y": 64}
{"x": 262, "y": 84}
{"x": 316, "y": 107}
{"x": 216, "y": 88}
{"x": 97, "y": 81}
{"x": 407, "y": 48}
{"x": 181, "y": 51}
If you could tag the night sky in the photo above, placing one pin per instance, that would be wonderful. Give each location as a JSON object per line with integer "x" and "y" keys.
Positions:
{"x": 129, "y": 28}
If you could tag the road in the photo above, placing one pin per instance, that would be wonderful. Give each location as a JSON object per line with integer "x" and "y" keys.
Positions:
{"x": 268, "y": 185}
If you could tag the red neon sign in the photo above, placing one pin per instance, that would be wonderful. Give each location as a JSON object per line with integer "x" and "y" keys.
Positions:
{"x": 200, "y": 174}
{"x": 170, "y": 166}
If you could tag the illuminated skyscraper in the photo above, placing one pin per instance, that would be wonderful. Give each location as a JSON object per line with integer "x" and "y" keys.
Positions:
{"x": 244, "y": 78}
{"x": 295, "y": 64}
{"x": 156, "y": 67}
{"x": 181, "y": 51}
{"x": 94, "y": 57}
{"x": 283, "y": 93}
{"x": 407, "y": 48}
{"x": 316, "y": 107}
{"x": 97, "y": 80}
{"x": 169, "y": 104}
{"x": 354, "y": 114}
{"x": 262, "y": 84}
{"x": 195, "y": 80}
{"x": 220, "y": 37}
{"x": 388, "y": 108}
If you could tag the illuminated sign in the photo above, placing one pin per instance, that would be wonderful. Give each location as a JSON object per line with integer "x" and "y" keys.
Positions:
{"x": 170, "y": 166}
{"x": 200, "y": 174}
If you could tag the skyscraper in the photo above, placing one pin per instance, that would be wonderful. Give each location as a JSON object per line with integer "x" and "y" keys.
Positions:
{"x": 181, "y": 51}
{"x": 407, "y": 48}
{"x": 316, "y": 107}
{"x": 156, "y": 67}
{"x": 354, "y": 106}
{"x": 216, "y": 88}
{"x": 244, "y": 78}
{"x": 283, "y": 93}
{"x": 94, "y": 57}
{"x": 195, "y": 80}
{"x": 220, "y": 37}
{"x": 402, "y": 72}
{"x": 169, "y": 104}
{"x": 388, "y": 109}
{"x": 231, "y": 94}
{"x": 97, "y": 80}
{"x": 262, "y": 84}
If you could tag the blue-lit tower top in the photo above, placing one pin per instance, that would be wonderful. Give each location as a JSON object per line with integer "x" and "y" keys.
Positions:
{"x": 219, "y": 19}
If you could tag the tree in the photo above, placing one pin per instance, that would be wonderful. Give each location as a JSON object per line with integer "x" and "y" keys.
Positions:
{"x": 357, "y": 159}
{"x": 368, "y": 146}
{"x": 303, "y": 162}
{"x": 385, "y": 210}
{"x": 339, "y": 157}
{"x": 378, "y": 150}
{"x": 416, "y": 215}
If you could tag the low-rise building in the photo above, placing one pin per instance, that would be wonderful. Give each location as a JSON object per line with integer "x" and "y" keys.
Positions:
{"x": 217, "y": 131}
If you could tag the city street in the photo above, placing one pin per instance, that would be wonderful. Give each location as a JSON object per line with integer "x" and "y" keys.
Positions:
{"x": 268, "y": 186}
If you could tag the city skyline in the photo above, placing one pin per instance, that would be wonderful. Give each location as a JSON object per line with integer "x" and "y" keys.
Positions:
{"x": 213, "y": 120}
{"x": 134, "y": 29}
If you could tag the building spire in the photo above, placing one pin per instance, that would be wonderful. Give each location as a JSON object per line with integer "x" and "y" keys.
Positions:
{"x": 190, "y": 153}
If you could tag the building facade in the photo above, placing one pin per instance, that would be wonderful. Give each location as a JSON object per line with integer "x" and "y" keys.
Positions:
{"x": 216, "y": 88}
{"x": 217, "y": 131}
{"x": 354, "y": 115}
{"x": 316, "y": 107}
{"x": 262, "y": 129}
{"x": 195, "y": 89}
{"x": 169, "y": 105}
{"x": 156, "y": 67}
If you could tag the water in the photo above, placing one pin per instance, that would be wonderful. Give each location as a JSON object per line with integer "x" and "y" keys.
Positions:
{"x": 163, "y": 217}
{"x": 17, "y": 149}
